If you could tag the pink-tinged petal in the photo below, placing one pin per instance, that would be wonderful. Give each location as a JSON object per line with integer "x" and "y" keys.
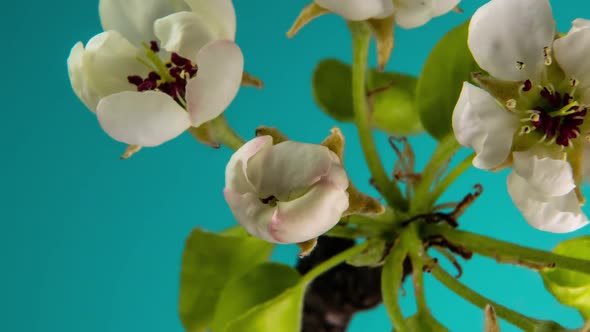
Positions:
{"x": 571, "y": 52}
{"x": 503, "y": 33}
{"x": 549, "y": 177}
{"x": 358, "y": 10}
{"x": 142, "y": 118}
{"x": 559, "y": 214}
{"x": 309, "y": 216}
{"x": 479, "y": 122}
{"x": 218, "y": 14}
{"x": 251, "y": 213}
{"x": 235, "y": 171}
{"x": 221, "y": 65}
{"x": 135, "y": 18}
{"x": 102, "y": 67}
{"x": 184, "y": 33}
{"x": 289, "y": 169}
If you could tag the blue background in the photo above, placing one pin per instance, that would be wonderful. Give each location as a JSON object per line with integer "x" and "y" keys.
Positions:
{"x": 91, "y": 243}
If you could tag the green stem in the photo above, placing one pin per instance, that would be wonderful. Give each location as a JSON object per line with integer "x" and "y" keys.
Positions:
{"x": 224, "y": 134}
{"x": 332, "y": 262}
{"x": 417, "y": 254}
{"x": 442, "y": 186}
{"x": 523, "y": 322}
{"x": 506, "y": 252}
{"x": 391, "y": 279}
{"x": 361, "y": 37}
{"x": 445, "y": 150}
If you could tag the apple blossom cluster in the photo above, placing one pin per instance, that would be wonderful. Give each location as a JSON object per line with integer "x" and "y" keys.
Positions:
{"x": 162, "y": 67}
{"x": 530, "y": 109}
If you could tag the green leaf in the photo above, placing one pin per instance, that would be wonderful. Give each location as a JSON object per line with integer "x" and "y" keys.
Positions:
{"x": 266, "y": 298}
{"x": 209, "y": 262}
{"x": 332, "y": 89}
{"x": 439, "y": 84}
{"x": 394, "y": 107}
{"x": 569, "y": 287}
{"x": 260, "y": 284}
{"x": 392, "y": 97}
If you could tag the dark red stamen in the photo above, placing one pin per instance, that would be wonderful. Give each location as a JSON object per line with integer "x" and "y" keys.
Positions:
{"x": 179, "y": 68}
{"x": 135, "y": 80}
{"x": 528, "y": 85}
{"x": 179, "y": 61}
{"x": 154, "y": 46}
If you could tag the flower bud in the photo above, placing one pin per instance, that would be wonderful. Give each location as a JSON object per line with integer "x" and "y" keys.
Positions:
{"x": 286, "y": 193}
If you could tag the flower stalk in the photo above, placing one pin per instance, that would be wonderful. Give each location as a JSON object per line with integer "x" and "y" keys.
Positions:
{"x": 521, "y": 321}
{"x": 361, "y": 37}
{"x": 504, "y": 251}
{"x": 224, "y": 134}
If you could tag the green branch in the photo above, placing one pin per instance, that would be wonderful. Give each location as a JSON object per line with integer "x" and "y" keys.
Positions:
{"x": 504, "y": 251}
{"x": 391, "y": 279}
{"x": 361, "y": 38}
{"x": 523, "y": 322}
{"x": 332, "y": 262}
{"x": 445, "y": 150}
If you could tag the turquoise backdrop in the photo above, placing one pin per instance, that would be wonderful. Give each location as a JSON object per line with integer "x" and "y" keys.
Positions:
{"x": 91, "y": 243}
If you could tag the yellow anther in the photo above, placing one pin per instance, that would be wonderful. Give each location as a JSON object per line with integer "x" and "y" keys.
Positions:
{"x": 511, "y": 104}
{"x": 525, "y": 130}
{"x": 548, "y": 58}
{"x": 535, "y": 117}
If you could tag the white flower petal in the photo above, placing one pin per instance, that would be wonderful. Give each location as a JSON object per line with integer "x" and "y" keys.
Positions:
{"x": 411, "y": 13}
{"x": 571, "y": 52}
{"x": 479, "y": 122}
{"x": 102, "y": 67}
{"x": 237, "y": 167}
{"x": 358, "y": 10}
{"x": 218, "y": 80}
{"x": 184, "y": 33}
{"x": 289, "y": 169}
{"x": 79, "y": 79}
{"x": 310, "y": 215}
{"x": 134, "y": 19}
{"x": 142, "y": 118}
{"x": 251, "y": 213}
{"x": 560, "y": 214}
{"x": 219, "y": 14}
{"x": 548, "y": 177}
{"x": 504, "y": 32}
{"x": 579, "y": 24}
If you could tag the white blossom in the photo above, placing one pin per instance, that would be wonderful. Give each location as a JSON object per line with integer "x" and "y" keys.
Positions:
{"x": 158, "y": 68}
{"x": 532, "y": 112}
{"x": 407, "y": 13}
{"x": 285, "y": 193}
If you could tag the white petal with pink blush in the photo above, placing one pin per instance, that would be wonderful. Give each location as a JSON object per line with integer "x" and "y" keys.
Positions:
{"x": 286, "y": 193}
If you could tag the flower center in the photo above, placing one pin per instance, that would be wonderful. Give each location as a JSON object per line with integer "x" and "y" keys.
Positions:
{"x": 169, "y": 77}
{"x": 271, "y": 201}
{"x": 557, "y": 116}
